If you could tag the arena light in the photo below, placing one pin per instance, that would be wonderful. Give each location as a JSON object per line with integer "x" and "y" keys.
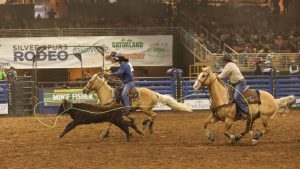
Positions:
{"x": 112, "y": 1}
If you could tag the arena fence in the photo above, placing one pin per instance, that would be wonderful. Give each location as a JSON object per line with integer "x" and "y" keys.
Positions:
{"x": 175, "y": 85}
{"x": 4, "y": 97}
{"x": 55, "y": 92}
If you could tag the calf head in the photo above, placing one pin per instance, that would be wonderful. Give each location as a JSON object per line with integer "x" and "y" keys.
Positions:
{"x": 64, "y": 107}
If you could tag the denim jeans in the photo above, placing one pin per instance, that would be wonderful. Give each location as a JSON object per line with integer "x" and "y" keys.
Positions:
{"x": 240, "y": 88}
{"x": 125, "y": 97}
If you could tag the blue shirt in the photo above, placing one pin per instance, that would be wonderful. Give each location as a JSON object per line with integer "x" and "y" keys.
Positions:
{"x": 124, "y": 73}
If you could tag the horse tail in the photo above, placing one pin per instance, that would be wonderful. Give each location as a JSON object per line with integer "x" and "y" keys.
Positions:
{"x": 172, "y": 103}
{"x": 284, "y": 103}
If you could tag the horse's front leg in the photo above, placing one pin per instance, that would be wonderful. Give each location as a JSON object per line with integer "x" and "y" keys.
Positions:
{"x": 228, "y": 124}
{"x": 210, "y": 119}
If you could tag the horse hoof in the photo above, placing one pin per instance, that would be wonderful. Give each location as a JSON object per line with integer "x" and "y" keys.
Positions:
{"x": 254, "y": 142}
{"x": 145, "y": 122}
{"x": 211, "y": 138}
{"x": 105, "y": 135}
{"x": 151, "y": 131}
{"x": 238, "y": 138}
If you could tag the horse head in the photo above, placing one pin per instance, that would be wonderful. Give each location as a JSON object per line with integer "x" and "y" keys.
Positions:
{"x": 205, "y": 78}
{"x": 94, "y": 83}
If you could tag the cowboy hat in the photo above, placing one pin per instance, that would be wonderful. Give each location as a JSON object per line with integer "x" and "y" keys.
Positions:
{"x": 112, "y": 54}
{"x": 228, "y": 57}
{"x": 121, "y": 59}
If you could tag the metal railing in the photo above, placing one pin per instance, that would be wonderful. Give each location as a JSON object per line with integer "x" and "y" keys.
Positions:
{"x": 191, "y": 23}
{"x": 200, "y": 52}
{"x": 280, "y": 61}
{"x": 118, "y": 31}
{"x": 10, "y": 33}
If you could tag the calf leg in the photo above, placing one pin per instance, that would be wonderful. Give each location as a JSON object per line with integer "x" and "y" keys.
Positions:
{"x": 124, "y": 127}
{"x": 68, "y": 128}
{"x": 132, "y": 124}
{"x": 106, "y": 134}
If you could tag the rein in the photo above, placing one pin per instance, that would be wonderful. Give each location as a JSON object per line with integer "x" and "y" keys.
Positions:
{"x": 214, "y": 109}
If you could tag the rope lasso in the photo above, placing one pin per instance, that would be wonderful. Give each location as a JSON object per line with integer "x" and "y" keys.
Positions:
{"x": 91, "y": 112}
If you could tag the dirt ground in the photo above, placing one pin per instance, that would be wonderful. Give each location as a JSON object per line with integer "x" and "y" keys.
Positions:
{"x": 178, "y": 143}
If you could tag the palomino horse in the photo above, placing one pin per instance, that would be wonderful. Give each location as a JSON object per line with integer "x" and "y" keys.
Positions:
{"x": 226, "y": 111}
{"x": 147, "y": 98}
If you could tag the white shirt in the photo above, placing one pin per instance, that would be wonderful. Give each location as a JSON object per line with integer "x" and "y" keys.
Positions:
{"x": 232, "y": 72}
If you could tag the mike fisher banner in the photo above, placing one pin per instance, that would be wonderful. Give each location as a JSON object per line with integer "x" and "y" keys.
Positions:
{"x": 154, "y": 50}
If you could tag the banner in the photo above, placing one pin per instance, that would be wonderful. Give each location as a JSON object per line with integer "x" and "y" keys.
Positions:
{"x": 3, "y": 108}
{"x": 59, "y": 52}
{"x": 199, "y": 104}
{"x": 54, "y": 97}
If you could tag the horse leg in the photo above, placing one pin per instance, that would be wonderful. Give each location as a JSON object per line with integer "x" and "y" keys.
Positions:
{"x": 228, "y": 124}
{"x": 106, "y": 134}
{"x": 210, "y": 119}
{"x": 132, "y": 124}
{"x": 249, "y": 125}
{"x": 68, "y": 128}
{"x": 266, "y": 130}
{"x": 151, "y": 121}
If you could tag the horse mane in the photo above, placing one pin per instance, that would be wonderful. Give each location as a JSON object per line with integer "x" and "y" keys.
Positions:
{"x": 222, "y": 82}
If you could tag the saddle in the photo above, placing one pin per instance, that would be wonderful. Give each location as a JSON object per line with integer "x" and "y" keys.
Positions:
{"x": 252, "y": 95}
{"x": 133, "y": 94}
{"x": 117, "y": 85}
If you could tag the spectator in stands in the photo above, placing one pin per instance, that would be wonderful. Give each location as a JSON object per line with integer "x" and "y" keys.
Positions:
{"x": 2, "y": 73}
{"x": 11, "y": 74}
{"x": 294, "y": 68}
{"x": 257, "y": 67}
{"x": 51, "y": 14}
{"x": 269, "y": 70}
{"x": 286, "y": 4}
{"x": 38, "y": 17}
{"x": 276, "y": 6}
{"x": 86, "y": 75}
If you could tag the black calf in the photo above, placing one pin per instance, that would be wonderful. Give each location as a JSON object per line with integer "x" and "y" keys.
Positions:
{"x": 80, "y": 113}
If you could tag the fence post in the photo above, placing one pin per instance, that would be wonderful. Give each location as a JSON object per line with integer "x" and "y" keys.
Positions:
{"x": 172, "y": 86}
{"x": 179, "y": 85}
{"x": 272, "y": 85}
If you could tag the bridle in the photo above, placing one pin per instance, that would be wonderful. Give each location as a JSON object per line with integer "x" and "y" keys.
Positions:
{"x": 92, "y": 83}
{"x": 214, "y": 109}
{"x": 202, "y": 87}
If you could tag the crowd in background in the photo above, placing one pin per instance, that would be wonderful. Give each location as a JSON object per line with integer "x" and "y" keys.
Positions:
{"x": 245, "y": 29}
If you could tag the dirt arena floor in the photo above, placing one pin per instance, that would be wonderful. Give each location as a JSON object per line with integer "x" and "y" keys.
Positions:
{"x": 178, "y": 143}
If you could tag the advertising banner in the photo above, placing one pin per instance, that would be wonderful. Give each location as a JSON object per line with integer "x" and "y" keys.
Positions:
{"x": 3, "y": 108}
{"x": 55, "y": 97}
{"x": 61, "y": 52}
